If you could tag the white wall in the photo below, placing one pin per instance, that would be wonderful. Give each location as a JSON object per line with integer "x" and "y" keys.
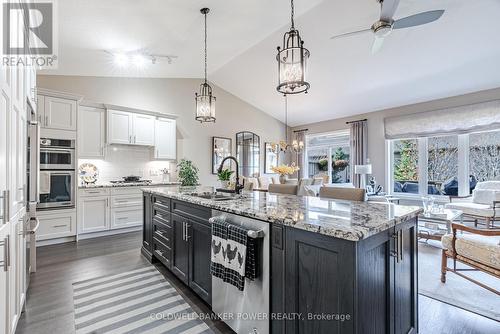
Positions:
{"x": 176, "y": 96}
{"x": 376, "y": 140}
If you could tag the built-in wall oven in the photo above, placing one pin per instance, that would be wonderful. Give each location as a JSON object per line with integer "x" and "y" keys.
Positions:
{"x": 57, "y": 154}
{"x": 56, "y": 184}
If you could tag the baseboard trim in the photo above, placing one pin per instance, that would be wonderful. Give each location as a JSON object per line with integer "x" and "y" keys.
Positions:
{"x": 55, "y": 241}
{"x": 107, "y": 233}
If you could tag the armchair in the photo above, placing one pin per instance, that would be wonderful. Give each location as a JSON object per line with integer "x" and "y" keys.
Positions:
{"x": 484, "y": 204}
{"x": 479, "y": 249}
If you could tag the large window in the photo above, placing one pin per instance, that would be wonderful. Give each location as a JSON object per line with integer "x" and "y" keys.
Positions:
{"x": 444, "y": 165}
{"x": 405, "y": 169}
{"x": 327, "y": 156}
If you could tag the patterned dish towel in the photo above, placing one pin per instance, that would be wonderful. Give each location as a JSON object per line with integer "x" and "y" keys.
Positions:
{"x": 234, "y": 254}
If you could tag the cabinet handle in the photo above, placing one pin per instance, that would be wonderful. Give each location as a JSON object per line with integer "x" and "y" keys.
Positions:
{"x": 6, "y": 250}
{"x": 184, "y": 231}
{"x": 121, "y": 218}
{"x": 398, "y": 240}
{"x": 130, "y": 139}
{"x": 187, "y": 232}
{"x": 401, "y": 245}
{"x": 56, "y": 226}
{"x": 93, "y": 192}
{"x": 46, "y": 120}
{"x": 134, "y": 139}
{"x": 5, "y": 206}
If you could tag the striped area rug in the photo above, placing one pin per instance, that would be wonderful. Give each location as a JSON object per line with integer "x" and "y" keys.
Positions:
{"x": 137, "y": 301}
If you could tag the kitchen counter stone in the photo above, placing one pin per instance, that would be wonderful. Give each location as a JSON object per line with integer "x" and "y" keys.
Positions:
{"x": 347, "y": 220}
{"x": 122, "y": 185}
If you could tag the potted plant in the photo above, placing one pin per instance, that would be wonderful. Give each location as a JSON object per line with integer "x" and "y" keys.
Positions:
{"x": 188, "y": 173}
{"x": 225, "y": 177}
{"x": 284, "y": 171}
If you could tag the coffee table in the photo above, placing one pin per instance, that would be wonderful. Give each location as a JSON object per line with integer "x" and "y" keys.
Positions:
{"x": 432, "y": 226}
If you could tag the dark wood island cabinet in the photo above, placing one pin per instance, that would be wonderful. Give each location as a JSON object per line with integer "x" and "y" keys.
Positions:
{"x": 327, "y": 276}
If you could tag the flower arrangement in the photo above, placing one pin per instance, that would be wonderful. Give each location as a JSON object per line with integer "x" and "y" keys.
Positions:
{"x": 285, "y": 169}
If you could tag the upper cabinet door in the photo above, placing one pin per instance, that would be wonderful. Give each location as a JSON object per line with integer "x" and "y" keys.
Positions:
{"x": 91, "y": 132}
{"x": 119, "y": 127}
{"x": 59, "y": 114}
{"x": 165, "y": 139}
{"x": 144, "y": 130}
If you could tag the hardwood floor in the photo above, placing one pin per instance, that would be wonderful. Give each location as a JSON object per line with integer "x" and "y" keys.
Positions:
{"x": 49, "y": 307}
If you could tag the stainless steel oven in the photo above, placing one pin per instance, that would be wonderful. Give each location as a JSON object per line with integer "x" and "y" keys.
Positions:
{"x": 56, "y": 189}
{"x": 57, "y": 154}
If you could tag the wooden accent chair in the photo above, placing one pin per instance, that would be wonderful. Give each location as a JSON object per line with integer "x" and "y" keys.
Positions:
{"x": 348, "y": 194}
{"x": 483, "y": 204}
{"x": 479, "y": 249}
{"x": 287, "y": 189}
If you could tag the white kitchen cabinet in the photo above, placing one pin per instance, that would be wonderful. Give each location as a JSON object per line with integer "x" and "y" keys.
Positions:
{"x": 143, "y": 130}
{"x": 93, "y": 214}
{"x": 119, "y": 127}
{"x": 130, "y": 128}
{"x": 4, "y": 278}
{"x": 57, "y": 113}
{"x": 165, "y": 139}
{"x": 56, "y": 224}
{"x": 91, "y": 131}
{"x": 123, "y": 217}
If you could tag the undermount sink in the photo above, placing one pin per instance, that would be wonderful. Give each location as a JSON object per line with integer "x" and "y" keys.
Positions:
{"x": 217, "y": 196}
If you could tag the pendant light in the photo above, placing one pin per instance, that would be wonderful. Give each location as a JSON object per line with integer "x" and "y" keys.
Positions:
{"x": 292, "y": 62}
{"x": 205, "y": 101}
{"x": 282, "y": 146}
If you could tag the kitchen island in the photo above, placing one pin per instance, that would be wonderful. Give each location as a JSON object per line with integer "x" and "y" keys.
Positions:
{"x": 336, "y": 266}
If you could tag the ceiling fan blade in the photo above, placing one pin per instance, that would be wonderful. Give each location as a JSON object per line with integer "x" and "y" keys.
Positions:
{"x": 377, "y": 44}
{"x": 388, "y": 8}
{"x": 351, "y": 33}
{"x": 418, "y": 19}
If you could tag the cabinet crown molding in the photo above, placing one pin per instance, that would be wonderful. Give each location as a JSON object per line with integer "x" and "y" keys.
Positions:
{"x": 55, "y": 93}
{"x": 140, "y": 111}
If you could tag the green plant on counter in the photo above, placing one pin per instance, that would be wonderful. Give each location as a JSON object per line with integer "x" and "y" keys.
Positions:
{"x": 188, "y": 173}
{"x": 225, "y": 175}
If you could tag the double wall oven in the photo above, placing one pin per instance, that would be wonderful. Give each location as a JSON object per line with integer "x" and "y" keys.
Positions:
{"x": 57, "y": 173}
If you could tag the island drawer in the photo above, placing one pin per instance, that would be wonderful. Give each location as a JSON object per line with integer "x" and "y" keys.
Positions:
{"x": 161, "y": 203}
{"x": 161, "y": 215}
{"x": 163, "y": 232}
{"x": 191, "y": 210}
{"x": 162, "y": 252}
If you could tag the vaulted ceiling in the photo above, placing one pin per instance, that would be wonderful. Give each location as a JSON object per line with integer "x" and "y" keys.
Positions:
{"x": 455, "y": 55}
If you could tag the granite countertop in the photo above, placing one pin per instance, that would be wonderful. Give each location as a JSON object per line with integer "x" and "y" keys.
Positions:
{"x": 129, "y": 184}
{"x": 347, "y": 220}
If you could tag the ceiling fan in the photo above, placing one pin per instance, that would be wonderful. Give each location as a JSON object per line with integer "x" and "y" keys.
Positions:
{"x": 384, "y": 26}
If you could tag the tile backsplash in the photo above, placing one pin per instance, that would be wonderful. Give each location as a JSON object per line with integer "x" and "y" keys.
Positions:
{"x": 123, "y": 160}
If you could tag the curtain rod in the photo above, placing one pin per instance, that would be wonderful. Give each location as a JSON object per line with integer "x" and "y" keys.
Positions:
{"x": 359, "y": 120}
{"x": 301, "y": 130}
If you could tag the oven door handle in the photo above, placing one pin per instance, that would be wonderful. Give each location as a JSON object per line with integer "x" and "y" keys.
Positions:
{"x": 56, "y": 150}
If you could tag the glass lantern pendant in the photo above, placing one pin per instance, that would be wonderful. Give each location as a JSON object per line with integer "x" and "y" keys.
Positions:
{"x": 205, "y": 101}
{"x": 292, "y": 62}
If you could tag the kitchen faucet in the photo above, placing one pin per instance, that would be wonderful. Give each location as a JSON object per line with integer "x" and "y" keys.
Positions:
{"x": 237, "y": 186}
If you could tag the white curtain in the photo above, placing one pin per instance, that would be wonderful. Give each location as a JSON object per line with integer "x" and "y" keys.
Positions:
{"x": 359, "y": 148}
{"x": 464, "y": 119}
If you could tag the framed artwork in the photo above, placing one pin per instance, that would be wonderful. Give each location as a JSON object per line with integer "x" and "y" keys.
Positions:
{"x": 221, "y": 148}
{"x": 270, "y": 158}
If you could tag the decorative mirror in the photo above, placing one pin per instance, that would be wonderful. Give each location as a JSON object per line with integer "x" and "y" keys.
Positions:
{"x": 248, "y": 153}
{"x": 221, "y": 148}
{"x": 270, "y": 158}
